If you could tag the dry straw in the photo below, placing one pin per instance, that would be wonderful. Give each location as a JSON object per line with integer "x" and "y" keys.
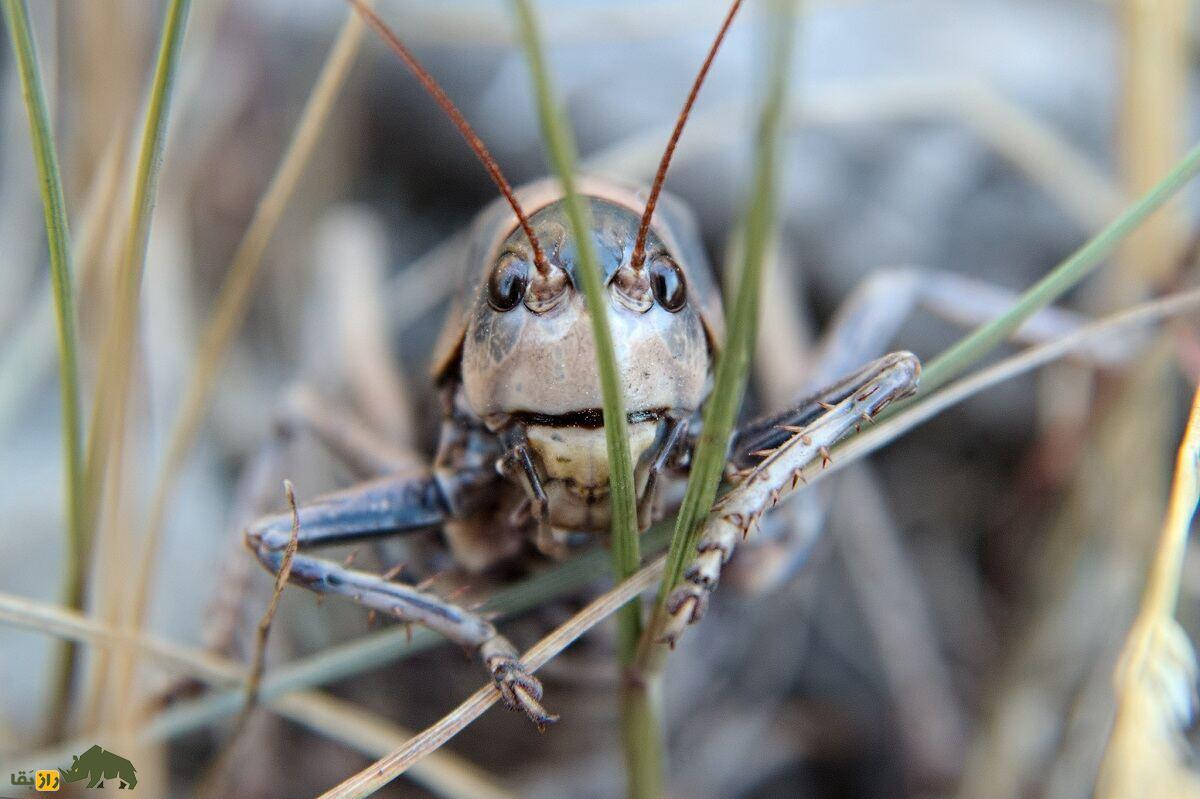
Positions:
{"x": 443, "y": 773}
{"x": 235, "y": 294}
{"x": 1155, "y": 678}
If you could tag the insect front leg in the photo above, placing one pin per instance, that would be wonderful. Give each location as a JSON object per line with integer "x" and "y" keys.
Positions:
{"x": 789, "y": 446}
{"x": 345, "y": 436}
{"x": 407, "y": 503}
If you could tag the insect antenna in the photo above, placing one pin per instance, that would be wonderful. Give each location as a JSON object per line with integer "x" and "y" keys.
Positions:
{"x": 460, "y": 122}
{"x": 639, "y": 248}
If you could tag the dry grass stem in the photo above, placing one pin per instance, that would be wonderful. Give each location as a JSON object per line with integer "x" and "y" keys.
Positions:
{"x": 927, "y": 407}
{"x": 108, "y": 431}
{"x": 108, "y": 410}
{"x": 211, "y": 783}
{"x": 234, "y": 297}
{"x": 1155, "y": 679}
{"x": 258, "y": 662}
{"x": 443, "y": 772}
{"x": 386, "y": 769}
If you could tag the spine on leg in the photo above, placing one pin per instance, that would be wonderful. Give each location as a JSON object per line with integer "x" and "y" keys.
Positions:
{"x": 782, "y": 471}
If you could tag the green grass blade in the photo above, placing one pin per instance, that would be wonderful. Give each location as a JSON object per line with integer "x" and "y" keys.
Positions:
{"x": 1061, "y": 279}
{"x": 733, "y": 363}
{"x": 561, "y": 147}
{"x": 16, "y": 19}
{"x": 640, "y": 732}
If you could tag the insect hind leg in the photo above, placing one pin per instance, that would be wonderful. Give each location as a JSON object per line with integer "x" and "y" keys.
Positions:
{"x": 764, "y": 435}
{"x": 781, "y": 451}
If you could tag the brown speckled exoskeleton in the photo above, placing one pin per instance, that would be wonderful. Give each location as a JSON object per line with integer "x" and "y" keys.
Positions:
{"x": 522, "y": 457}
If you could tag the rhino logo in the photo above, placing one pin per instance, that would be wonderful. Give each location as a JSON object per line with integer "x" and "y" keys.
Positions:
{"x": 97, "y": 765}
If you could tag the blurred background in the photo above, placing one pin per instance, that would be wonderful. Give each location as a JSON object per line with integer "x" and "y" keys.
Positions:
{"x": 953, "y": 633}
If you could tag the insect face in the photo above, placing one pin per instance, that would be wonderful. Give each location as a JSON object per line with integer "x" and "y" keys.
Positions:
{"x": 528, "y": 347}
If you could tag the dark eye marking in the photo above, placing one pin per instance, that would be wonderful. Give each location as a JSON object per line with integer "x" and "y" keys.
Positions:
{"x": 667, "y": 283}
{"x": 507, "y": 283}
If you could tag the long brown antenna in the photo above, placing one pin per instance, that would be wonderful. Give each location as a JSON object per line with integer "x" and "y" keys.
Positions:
{"x": 460, "y": 122}
{"x": 639, "y": 248}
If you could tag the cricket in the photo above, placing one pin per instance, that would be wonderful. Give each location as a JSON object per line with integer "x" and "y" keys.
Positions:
{"x": 752, "y": 604}
{"x": 522, "y": 454}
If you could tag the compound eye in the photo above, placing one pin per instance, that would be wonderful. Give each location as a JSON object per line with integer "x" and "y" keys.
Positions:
{"x": 506, "y": 286}
{"x": 666, "y": 281}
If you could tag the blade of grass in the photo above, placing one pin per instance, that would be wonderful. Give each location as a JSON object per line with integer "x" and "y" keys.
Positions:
{"x": 641, "y": 735}
{"x": 1154, "y": 59}
{"x": 27, "y": 355}
{"x": 1145, "y": 746}
{"x": 16, "y": 18}
{"x": 733, "y": 362}
{"x": 930, "y": 405}
{"x": 210, "y": 782}
{"x": 108, "y": 423}
{"x": 443, "y": 773}
{"x": 233, "y": 300}
{"x": 561, "y": 148}
{"x": 1156, "y": 673}
{"x": 118, "y": 343}
{"x": 1061, "y": 279}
